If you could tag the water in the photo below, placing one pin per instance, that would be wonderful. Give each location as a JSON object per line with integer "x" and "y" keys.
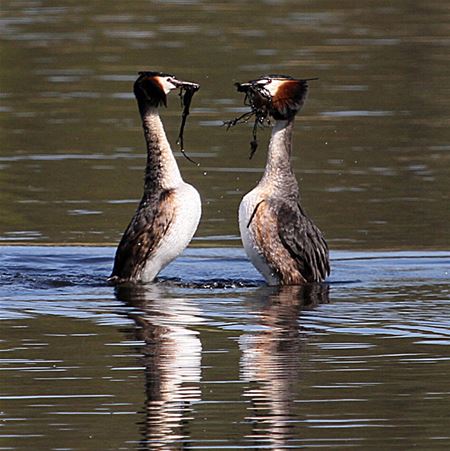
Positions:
{"x": 199, "y": 361}
{"x": 210, "y": 358}
{"x": 371, "y": 144}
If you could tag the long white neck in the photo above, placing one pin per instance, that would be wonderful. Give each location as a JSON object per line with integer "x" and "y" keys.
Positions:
{"x": 162, "y": 169}
{"x": 278, "y": 169}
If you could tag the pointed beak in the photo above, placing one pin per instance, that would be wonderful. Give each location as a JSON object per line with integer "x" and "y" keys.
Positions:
{"x": 185, "y": 84}
{"x": 242, "y": 87}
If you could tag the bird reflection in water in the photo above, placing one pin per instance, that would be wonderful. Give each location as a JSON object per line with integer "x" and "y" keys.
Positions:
{"x": 271, "y": 363}
{"x": 172, "y": 361}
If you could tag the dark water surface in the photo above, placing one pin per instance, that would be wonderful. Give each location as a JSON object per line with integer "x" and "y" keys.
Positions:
{"x": 371, "y": 147}
{"x": 210, "y": 358}
{"x": 201, "y": 362}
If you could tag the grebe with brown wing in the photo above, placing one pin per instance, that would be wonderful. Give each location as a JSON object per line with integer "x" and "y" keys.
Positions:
{"x": 282, "y": 242}
{"x": 169, "y": 212}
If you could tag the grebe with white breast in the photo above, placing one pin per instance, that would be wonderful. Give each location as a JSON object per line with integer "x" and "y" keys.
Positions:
{"x": 169, "y": 212}
{"x": 282, "y": 242}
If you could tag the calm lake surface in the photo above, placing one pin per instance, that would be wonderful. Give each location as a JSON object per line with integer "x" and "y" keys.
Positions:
{"x": 210, "y": 358}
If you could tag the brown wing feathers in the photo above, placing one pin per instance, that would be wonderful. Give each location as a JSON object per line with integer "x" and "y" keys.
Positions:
{"x": 304, "y": 242}
{"x": 143, "y": 235}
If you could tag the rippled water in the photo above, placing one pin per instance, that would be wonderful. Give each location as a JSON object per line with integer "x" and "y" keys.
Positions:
{"x": 210, "y": 358}
{"x": 199, "y": 361}
{"x": 371, "y": 145}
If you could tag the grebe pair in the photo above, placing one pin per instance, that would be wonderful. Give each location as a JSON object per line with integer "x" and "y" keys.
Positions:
{"x": 280, "y": 240}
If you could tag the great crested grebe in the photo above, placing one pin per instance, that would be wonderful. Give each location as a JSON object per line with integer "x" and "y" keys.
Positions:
{"x": 169, "y": 212}
{"x": 284, "y": 244}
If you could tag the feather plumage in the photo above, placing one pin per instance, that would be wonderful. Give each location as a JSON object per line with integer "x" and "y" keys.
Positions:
{"x": 143, "y": 236}
{"x": 282, "y": 242}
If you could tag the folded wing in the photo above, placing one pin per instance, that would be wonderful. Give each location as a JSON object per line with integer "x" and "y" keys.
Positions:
{"x": 143, "y": 235}
{"x": 304, "y": 242}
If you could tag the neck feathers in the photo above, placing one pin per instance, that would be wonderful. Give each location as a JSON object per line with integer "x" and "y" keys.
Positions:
{"x": 162, "y": 169}
{"x": 278, "y": 169}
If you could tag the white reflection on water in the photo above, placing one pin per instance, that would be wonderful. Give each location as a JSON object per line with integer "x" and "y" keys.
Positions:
{"x": 171, "y": 356}
{"x": 271, "y": 363}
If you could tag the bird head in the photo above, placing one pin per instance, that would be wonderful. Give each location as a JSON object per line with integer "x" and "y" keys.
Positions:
{"x": 151, "y": 88}
{"x": 278, "y": 96}
{"x": 271, "y": 96}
